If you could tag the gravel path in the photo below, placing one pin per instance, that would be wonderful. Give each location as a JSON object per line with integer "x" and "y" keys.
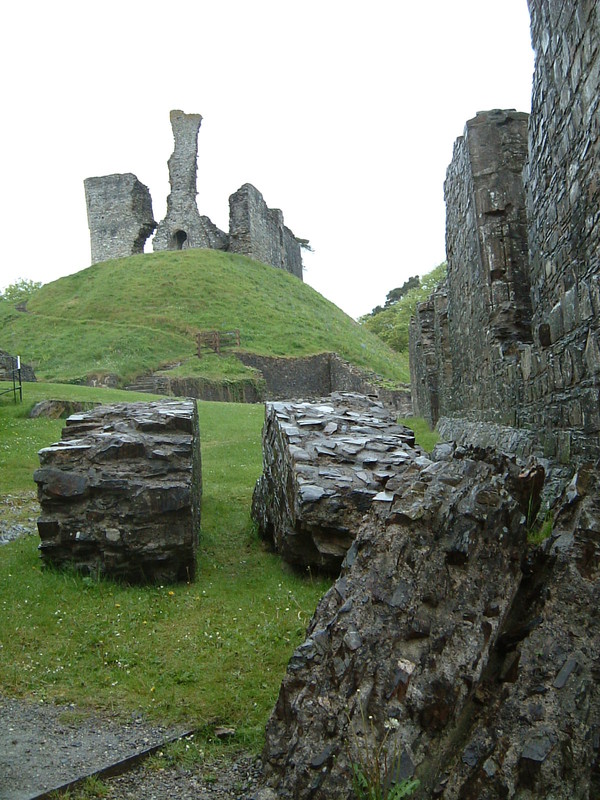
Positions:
{"x": 43, "y": 747}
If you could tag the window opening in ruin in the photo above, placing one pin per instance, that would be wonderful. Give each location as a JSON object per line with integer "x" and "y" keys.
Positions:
{"x": 179, "y": 239}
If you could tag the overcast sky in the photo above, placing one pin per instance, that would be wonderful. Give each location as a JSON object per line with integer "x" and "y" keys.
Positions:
{"x": 342, "y": 113}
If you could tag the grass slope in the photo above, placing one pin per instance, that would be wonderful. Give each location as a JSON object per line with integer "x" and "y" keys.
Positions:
{"x": 209, "y": 652}
{"x": 132, "y": 315}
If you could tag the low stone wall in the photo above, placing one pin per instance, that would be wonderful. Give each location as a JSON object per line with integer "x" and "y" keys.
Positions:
{"x": 325, "y": 464}
{"x": 120, "y": 493}
{"x": 320, "y": 375}
{"x": 8, "y": 364}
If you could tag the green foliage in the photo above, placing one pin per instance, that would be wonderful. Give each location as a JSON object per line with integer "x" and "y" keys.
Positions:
{"x": 134, "y": 315}
{"x": 375, "y": 765}
{"x": 424, "y": 436}
{"x": 538, "y": 533}
{"x": 394, "y": 295}
{"x": 20, "y": 290}
{"x": 206, "y": 653}
{"x": 391, "y": 324}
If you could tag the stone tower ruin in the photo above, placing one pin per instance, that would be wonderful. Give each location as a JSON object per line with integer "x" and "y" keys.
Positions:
{"x": 120, "y": 213}
{"x": 183, "y": 226}
{"x": 120, "y": 218}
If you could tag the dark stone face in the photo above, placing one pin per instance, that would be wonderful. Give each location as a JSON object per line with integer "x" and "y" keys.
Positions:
{"x": 120, "y": 493}
{"x": 514, "y": 336}
{"x": 325, "y": 465}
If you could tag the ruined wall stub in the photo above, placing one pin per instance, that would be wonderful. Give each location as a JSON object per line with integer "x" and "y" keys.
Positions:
{"x": 120, "y": 218}
{"x": 183, "y": 225}
{"x": 488, "y": 305}
{"x": 562, "y": 369}
{"x": 120, "y": 493}
{"x": 260, "y": 233}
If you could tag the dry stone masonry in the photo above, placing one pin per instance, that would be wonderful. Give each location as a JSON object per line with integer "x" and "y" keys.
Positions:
{"x": 120, "y": 493}
{"x": 514, "y": 336}
{"x": 120, "y": 213}
{"x": 325, "y": 465}
{"x": 120, "y": 218}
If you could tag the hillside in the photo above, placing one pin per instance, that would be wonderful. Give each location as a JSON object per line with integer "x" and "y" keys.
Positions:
{"x": 134, "y": 315}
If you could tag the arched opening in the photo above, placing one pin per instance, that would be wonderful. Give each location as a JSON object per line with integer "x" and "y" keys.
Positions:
{"x": 179, "y": 240}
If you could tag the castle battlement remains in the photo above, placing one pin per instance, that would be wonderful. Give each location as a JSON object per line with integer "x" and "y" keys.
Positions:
{"x": 120, "y": 215}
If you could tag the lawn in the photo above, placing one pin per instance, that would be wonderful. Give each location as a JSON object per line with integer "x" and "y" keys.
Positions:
{"x": 209, "y": 652}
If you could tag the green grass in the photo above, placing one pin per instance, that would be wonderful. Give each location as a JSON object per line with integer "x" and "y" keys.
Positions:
{"x": 210, "y": 652}
{"x": 134, "y": 315}
{"x": 423, "y": 433}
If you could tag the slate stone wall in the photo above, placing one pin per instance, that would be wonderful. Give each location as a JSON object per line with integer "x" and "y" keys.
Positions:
{"x": 488, "y": 304}
{"x": 120, "y": 218}
{"x": 120, "y": 493}
{"x": 562, "y": 369}
{"x": 522, "y": 322}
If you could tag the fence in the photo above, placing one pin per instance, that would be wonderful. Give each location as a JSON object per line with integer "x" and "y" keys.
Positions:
{"x": 14, "y": 371}
{"x": 216, "y": 341}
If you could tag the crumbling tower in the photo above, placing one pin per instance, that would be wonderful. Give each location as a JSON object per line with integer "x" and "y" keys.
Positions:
{"x": 119, "y": 209}
{"x": 183, "y": 225}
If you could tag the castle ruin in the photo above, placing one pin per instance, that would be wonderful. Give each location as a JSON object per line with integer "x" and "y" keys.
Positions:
{"x": 513, "y": 337}
{"x": 120, "y": 214}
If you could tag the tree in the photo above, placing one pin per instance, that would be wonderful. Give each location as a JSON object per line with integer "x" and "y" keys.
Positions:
{"x": 20, "y": 290}
{"x": 392, "y": 323}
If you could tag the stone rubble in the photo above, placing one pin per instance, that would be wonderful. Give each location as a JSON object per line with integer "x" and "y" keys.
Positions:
{"x": 325, "y": 464}
{"x": 477, "y": 660}
{"x": 120, "y": 493}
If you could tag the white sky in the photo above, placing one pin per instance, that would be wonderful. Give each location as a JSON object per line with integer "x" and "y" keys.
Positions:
{"x": 342, "y": 113}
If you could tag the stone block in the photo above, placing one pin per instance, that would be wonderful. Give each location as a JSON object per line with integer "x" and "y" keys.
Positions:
{"x": 324, "y": 465}
{"x": 120, "y": 493}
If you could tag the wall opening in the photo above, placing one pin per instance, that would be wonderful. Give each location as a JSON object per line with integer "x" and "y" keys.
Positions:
{"x": 179, "y": 240}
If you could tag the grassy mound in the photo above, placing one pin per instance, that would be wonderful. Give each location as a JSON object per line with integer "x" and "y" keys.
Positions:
{"x": 134, "y": 315}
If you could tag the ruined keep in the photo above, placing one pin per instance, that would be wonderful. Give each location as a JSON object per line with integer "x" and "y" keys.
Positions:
{"x": 512, "y": 338}
{"x": 120, "y": 213}
{"x": 120, "y": 493}
{"x": 120, "y": 218}
{"x": 183, "y": 226}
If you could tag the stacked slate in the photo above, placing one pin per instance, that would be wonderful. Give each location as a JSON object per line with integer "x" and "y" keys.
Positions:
{"x": 325, "y": 464}
{"x": 120, "y": 493}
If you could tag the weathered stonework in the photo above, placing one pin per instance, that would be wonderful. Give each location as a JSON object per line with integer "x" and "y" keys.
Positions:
{"x": 325, "y": 464}
{"x": 259, "y": 232}
{"x": 120, "y": 493}
{"x": 562, "y": 369}
{"x": 183, "y": 226}
{"x": 475, "y": 662}
{"x": 8, "y": 367}
{"x": 523, "y": 294}
{"x": 120, "y": 213}
{"x": 120, "y": 218}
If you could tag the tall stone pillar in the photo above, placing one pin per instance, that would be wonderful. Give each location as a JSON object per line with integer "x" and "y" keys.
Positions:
{"x": 183, "y": 226}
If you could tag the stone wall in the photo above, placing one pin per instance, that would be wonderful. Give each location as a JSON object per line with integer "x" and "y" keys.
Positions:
{"x": 259, "y": 232}
{"x": 324, "y": 465}
{"x": 120, "y": 213}
{"x": 120, "y": 218}
{"x": 562, "y": 369}
{"x": 120, "y": 493}
{"x": 8, "y": 366}
{"x": 183, "y": 226}
{"x": 518, "y": 342}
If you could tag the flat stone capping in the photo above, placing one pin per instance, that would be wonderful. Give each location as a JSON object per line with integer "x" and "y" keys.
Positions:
{"x": 325, "y": 464}
{"x": 120, "y": 493}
